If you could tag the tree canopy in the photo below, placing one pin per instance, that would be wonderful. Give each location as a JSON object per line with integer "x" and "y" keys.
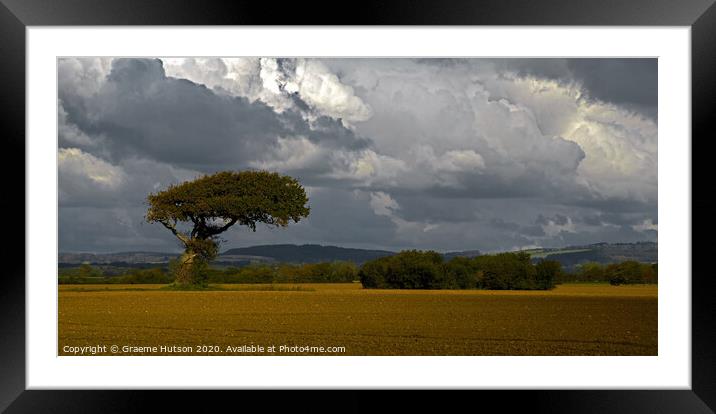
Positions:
{"x": 246, "y": 198}
{"x": 214, "y": 203}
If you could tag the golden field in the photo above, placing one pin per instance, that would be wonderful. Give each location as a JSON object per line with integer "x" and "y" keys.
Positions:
{"x": 572, "y": 319}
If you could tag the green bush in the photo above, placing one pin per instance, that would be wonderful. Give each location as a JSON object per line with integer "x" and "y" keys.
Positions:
{"x": 627, "y": 272}
{"x": 410, "y": 269}
{"x": 326, "y": 272}
{"x": 415, "y": 269}
{"x": 146, "y": 276}
{"x": 630, "y": 272}
{"x": 591, "y": 272}
{"x": 617, "y": 280}
{"x": 507, "y": 271}
{"x": 547, "y": 272}
{"x": 372, "y": 273}
{"x": 462, "y": 272}
{"x": 426, "y": 270}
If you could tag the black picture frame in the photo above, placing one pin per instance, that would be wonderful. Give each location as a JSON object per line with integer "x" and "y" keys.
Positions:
{"x": 16, "y": 15}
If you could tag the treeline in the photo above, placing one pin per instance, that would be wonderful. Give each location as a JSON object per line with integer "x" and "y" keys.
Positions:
{"x": 333, "y": 272}
{"x": 406, "y": 270}
{"x": 414, "y": 269}
{"x": 627, "y": 272}
{"x": 326, "y": 272}
{"x": 88, "y": 274}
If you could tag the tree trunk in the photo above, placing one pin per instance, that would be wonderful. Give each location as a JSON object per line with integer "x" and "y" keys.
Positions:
{"x": 186, "y": 272}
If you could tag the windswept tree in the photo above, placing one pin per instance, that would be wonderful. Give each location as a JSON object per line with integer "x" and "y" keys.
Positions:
{"x": 211, "y": 204}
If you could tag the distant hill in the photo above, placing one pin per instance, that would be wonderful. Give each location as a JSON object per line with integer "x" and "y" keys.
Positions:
{"x": 466, "y": 253}
{"x": 313, "y": 253}
{"x": 605, "y": 253}
{"x": 121, "y": 257}
{"x": 306, "y": 253}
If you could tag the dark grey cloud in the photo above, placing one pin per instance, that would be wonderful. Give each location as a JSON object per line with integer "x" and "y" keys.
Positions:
{"x": 555, "y": 69}
{"x": 629, "y": 82}
{"x": 110, "y": 229}
{"x": 340, "y": 217}
{"x": 558, "y": 219}
{"x": 140, "y": 112}
{"x": 621, "y": 219}
{"x": 424, "y": 207}
{"x": 632, "y": 82}
{"x": 530, "y": 231}
{"x": 143, "y": 113}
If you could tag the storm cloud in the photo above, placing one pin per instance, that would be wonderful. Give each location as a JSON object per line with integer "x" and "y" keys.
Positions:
{"x": 445, "y": 154}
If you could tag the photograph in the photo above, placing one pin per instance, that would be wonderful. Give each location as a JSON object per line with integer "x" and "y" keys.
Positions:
{"x": 222, "y": 202}
{"x": 357, "y": 206}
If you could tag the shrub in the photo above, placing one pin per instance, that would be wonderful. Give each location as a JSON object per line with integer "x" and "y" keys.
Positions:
{"x": 547, "y": 272}
{"x": 506, "y": 271}
{"x": 591, "y": 272}
{"x": 415, "y": 269}
{"x": 462, "y": 272}
{"x": 426, "y": 270}
{"x": 372, "y": 273}
{"x": 632, "y": 271}
{"x": 617, "y": 280}
{"x": 146, "y": 276}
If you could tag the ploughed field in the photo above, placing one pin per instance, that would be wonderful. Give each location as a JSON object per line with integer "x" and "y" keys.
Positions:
{"x": 345, "y": 319}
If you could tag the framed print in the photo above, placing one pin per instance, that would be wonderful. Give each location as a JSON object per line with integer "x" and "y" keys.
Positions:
{"x": 465, "y": 197}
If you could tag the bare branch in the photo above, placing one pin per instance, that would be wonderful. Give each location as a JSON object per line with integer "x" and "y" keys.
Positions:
{"x": 177, "y": 233}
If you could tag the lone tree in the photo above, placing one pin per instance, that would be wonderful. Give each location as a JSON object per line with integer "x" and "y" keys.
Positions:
{"x": 213, "y": 203}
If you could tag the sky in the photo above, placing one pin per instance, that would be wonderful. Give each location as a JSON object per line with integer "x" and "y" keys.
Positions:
{"x": 394, "y": 153}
